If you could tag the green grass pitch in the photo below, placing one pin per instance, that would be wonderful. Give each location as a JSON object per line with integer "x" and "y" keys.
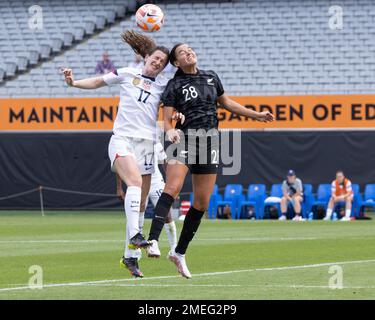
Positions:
{"x": 79, "y": 253}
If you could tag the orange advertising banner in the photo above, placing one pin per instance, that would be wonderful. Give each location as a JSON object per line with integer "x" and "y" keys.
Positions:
{"x": 318, "y": 112}
{"x": 58, "y": 114}
{"x": 307, "y": 112}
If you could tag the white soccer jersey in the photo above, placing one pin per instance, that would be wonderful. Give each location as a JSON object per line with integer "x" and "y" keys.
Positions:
{"x": 139, "y": 102}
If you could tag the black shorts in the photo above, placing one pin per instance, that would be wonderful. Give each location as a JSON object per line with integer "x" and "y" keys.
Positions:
{"x": 201, "y": 154}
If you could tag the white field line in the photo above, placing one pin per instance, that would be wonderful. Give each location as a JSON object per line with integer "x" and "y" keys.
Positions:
{"x": 292, "y": 286}
{"x": 198, "y": 239}
{"x": 208, "y": 274}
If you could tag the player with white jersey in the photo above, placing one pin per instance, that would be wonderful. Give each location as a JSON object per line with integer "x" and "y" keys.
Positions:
{"x": 131, "y": 148}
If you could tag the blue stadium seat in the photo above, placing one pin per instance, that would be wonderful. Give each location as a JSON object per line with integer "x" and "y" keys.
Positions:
{"x": 369, "y": 197}
{"x": 322, "y": 196}
{"x": 232, "y": 195}
{"x": 308, "y": 199}
{"x": 215, "y": 197}
{"x": 357, "y": 200}
{"x": 256, "y": 194}
{"x": 276, "y": 191}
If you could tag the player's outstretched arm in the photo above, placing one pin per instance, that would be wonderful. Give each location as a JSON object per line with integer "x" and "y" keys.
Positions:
{"x": 89, "y": 83}
{"x": 239, "y": 109}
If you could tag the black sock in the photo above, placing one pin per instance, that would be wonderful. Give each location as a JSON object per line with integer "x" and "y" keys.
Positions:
{"x": 161, "y": 211}
{"x": 192, "y": 221}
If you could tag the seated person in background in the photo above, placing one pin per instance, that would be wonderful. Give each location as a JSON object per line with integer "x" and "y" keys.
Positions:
{"x": 292, "y": 195}
{"x": 342, "y": 194}
{"x": 104, "y": 66}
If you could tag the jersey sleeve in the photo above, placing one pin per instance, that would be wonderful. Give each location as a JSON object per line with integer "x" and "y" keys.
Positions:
{"x": 219, "y": 86}
{"x": 114, "y": 77}
{"x": 169, "y": 97}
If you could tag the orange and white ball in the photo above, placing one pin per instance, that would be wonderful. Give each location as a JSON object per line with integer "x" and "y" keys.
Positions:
{"x": 149, "y": 17}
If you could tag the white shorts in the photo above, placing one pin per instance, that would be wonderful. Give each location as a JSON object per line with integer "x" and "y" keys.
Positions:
{"x": 141, "y": 149}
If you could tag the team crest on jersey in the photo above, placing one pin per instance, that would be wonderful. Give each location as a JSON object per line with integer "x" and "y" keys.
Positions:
{"x": 136, "y": 81}
{"x": 147, "y": 85}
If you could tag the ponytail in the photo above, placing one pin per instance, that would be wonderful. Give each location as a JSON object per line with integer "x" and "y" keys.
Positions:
{"x": 141, "y": 44}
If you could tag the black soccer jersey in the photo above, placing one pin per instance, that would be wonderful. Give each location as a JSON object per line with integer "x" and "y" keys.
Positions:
{"x": 195, "y": 96}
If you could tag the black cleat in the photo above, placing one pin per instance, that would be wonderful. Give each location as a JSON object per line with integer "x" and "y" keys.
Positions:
{"x": 132, "y": 265}
{"x": 138, "y": 241}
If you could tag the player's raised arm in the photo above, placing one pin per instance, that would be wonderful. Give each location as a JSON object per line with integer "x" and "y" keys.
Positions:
{"x": 239, "y": 109}
{"x": 88, "y": 83}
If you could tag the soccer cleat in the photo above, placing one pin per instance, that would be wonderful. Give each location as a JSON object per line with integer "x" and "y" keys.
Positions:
{"x": 132, "y": 265}
{"x": 282, "y": 217}
{"x": 327, "y": 218}
{"x": 138, "y": 241}
{"x": 179, "y": 261}
{"x": 298, "y": 218}
{"x": 153, "y": 250}
{"x": 345, "y": 219}
{"x": 172, "y": 249}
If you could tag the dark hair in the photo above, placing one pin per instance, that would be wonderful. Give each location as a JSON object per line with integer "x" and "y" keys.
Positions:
{"x": 141, "y": 44}
{"x": 172, "y": 59}
{"x": 172, "y": 54}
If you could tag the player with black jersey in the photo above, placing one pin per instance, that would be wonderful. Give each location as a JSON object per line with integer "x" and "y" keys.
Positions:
{"x": 194, "y": 93}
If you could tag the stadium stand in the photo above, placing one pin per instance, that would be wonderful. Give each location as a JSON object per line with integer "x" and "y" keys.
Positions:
{"x": 237, "y": 197}
{"x": 285, "y": 47}
{"x": 24, "y": 44}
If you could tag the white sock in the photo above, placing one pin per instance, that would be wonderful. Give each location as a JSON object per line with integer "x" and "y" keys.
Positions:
{"x": 170, "y": 229}
{"x": 141, "y": 221}
{"x": 132, "y": 205}
{"x": 329, "y": 213}
{"x": 131, "y": 253}
{"x": 348, "y": 212}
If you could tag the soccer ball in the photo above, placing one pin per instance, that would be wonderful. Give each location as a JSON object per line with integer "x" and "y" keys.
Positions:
{"x": 149, "y": 17}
